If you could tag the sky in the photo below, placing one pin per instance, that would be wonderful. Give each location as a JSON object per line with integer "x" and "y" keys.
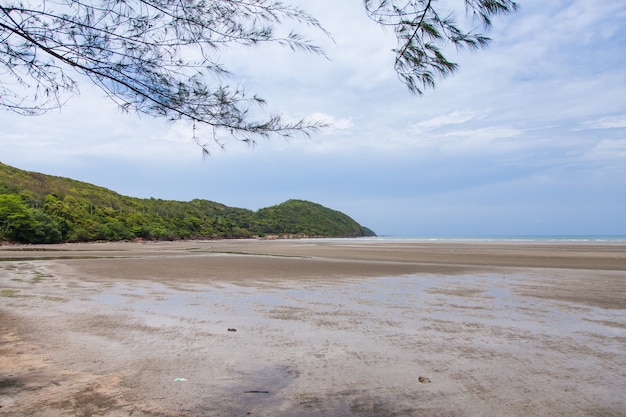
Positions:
{"x": 527, "y": 138}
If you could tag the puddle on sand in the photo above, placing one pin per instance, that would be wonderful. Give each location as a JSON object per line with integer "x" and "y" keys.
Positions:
{"x": 369, "y": 335}
{"x": 403, "y": 299}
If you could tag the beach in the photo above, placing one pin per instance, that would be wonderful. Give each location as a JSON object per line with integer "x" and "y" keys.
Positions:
{"x": 313, "y": 327}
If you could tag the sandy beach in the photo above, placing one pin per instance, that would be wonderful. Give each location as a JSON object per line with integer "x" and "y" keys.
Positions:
{"x": 313, "y": 328}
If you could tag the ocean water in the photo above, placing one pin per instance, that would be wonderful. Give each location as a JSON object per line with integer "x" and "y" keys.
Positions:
{"x": 505, "y": 238}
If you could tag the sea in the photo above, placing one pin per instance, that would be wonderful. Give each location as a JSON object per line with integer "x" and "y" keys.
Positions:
{"x": 505, "y": 238}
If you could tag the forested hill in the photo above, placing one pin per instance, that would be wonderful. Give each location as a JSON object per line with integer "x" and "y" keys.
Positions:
{"x": 39, "y": 208}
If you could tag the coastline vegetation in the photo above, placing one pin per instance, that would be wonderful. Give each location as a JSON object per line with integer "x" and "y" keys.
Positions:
{"x": 39, "y": 208}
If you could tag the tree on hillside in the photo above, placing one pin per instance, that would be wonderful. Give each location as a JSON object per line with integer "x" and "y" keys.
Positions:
{"x": 161, "y": 57}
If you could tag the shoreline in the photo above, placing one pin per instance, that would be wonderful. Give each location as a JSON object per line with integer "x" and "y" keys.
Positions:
{"x": 532, "y": 254}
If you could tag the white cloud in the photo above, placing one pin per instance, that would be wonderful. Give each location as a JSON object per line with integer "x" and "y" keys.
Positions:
{"x": 335, "y": 124}
{"x": 609, "y": 149}
{"x": 490, "y": 133}
{"x": 609, "y": 122}
{"x": 454, "y": 118}
{"x": 486, "y": 140}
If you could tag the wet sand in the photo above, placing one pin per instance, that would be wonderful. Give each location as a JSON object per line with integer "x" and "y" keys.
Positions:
{"x": 317, "y": 328}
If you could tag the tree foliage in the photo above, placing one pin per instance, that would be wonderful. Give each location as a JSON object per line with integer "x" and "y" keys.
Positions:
{"x": 20, "y": 223}
{"x": 423, "y": 31}
{"x": 38, "y": 208}
{"x": 158, "y": 57}
{"x": 307, "y": 218}
{"x": 162, "y": 57}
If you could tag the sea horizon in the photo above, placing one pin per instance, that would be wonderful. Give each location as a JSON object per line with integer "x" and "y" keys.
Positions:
{"x": 502, "y": 238}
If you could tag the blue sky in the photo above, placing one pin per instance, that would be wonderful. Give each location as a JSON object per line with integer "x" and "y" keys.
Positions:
{"x": 529, "y": 137}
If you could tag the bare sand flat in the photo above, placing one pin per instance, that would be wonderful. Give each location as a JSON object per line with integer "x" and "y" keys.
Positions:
{"x": 317, "y": 328}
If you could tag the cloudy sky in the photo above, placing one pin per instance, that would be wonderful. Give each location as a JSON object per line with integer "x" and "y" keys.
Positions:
{"x": 528, "y": 138}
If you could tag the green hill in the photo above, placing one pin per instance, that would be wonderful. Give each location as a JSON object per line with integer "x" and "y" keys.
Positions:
{"x": 39, "y": 208}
